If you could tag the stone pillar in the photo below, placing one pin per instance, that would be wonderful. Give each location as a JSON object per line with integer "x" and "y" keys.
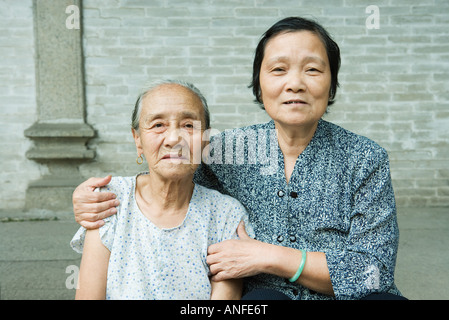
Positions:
{"x": 60, "y": 133}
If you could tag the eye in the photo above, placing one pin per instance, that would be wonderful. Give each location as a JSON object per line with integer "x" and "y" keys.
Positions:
{"x": 313, "y": 70}
{"x": 278, "y": 69}
{"x": 189, "y": 126}
{"x": 158, "y": 127}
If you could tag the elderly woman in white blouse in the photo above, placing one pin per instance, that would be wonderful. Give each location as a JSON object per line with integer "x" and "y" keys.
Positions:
{"x": 156, "y": 245}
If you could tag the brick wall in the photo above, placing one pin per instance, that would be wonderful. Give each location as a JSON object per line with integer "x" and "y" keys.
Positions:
{"x": 394, "y": 79}
{"x": 17, "y": 101}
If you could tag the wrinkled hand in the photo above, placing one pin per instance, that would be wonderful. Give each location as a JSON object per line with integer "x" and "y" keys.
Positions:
{"x": 233, "y": 259}
{"x": 89, "y": 207}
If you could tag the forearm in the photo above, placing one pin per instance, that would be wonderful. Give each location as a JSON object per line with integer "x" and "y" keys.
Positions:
{"x": 93, "y": 269}
{"x": 226, "y": 290}
{"x": 284, "y": 262}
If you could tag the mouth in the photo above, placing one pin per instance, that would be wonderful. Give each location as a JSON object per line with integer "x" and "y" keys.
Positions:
{"x": 174, "y": 156}
{"x": 295, "y": 102}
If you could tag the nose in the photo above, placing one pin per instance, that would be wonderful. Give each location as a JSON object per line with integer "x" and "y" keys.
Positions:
{"x": 295, "y": 82}
{"x": 173, "y": 137}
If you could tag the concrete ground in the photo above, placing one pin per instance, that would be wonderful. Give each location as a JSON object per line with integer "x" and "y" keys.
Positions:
{"x": 36, "y": 261}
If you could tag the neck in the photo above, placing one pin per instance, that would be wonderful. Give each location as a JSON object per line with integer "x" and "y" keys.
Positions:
{"x": 165, "y": 195}
{"x": 294, "y": 139}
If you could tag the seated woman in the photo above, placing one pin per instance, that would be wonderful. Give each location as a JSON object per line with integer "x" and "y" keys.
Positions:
{"x": 155, "y": 247}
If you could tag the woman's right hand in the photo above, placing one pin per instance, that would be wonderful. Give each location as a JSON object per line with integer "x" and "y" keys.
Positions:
{"x": 91, "y": 207}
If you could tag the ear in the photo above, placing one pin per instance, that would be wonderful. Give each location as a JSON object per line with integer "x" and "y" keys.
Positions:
{"x": 136, "y": 137}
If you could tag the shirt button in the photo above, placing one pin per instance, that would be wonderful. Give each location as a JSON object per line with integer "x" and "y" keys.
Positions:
{"x": 293, "y": 194}
{"x": 292, "y": 238}
{"x": 280, "y": 238}
{"x": 281, "y": 193}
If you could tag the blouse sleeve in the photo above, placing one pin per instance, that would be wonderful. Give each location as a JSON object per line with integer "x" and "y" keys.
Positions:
{"x": 106, "y": 231}
{"x": 367, "y": 263}
{"x": 106, "y": 235}
{"x": 234, "y": 214}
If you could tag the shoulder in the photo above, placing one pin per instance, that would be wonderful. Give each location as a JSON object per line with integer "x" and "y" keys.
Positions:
{"x": 349, "y": 144}
{"x": 223, "y": 212}
{"x": 219, "y": 206}
{"x": 216, "y": 198}
{"x": 120, "y": 186}
{"x": 247, "y": 130}
{"x": 255, "y": 127}
{"x": 123, "y": 188}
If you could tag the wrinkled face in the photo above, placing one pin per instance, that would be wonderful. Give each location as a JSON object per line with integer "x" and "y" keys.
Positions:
{"x": 170, "y": 131}
{"x": 295, "y": 79}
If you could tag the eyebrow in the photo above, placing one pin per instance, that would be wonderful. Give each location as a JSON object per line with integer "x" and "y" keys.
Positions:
{"x": 183, "y": 115}
{"x": 306, "y": 59}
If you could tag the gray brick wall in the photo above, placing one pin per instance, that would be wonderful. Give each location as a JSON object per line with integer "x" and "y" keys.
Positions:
{"x": 17, "y": 101}
{"x": 394, "y": 79}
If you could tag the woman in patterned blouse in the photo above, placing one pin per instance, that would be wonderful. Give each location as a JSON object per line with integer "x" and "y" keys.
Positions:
{"x": 320, "y": 198}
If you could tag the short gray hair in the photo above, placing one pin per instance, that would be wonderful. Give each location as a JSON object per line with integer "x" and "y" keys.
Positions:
{"x": 138, "y": 106}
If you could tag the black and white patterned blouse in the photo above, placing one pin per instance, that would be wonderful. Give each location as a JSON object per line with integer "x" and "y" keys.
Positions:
{"x": 339, "y": 201}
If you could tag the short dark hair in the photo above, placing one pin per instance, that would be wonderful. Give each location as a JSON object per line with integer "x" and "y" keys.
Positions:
{"x": 293, "y": 24}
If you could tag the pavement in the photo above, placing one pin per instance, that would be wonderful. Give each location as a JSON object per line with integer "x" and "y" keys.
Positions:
{"x": 37, "y": 263}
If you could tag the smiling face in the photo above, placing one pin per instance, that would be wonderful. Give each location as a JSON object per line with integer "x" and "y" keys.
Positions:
{"x": 170, "y": 131}
{"x": 295, "y": 79}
